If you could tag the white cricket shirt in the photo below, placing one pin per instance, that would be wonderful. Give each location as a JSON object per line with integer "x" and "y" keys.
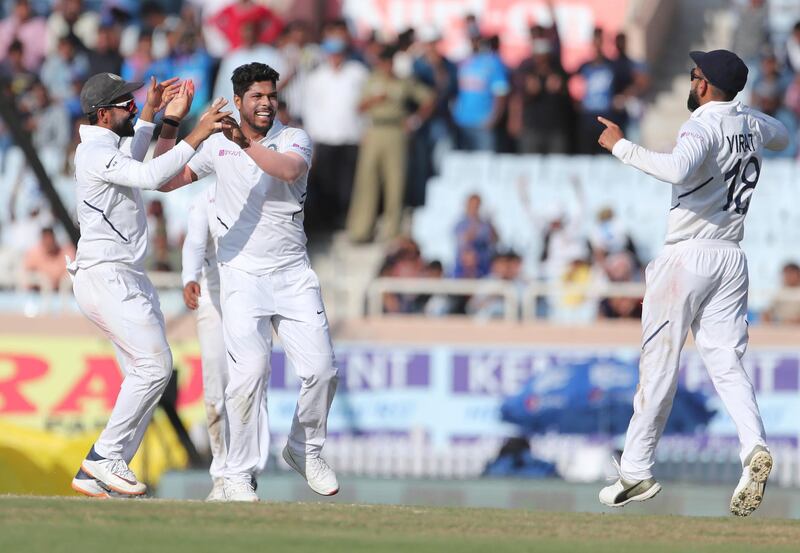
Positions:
{"x": 714, "y": 168}
{"x": 109, "y": 174}
{"x": 260, "y": 217}
{"x": 199, "y": 254}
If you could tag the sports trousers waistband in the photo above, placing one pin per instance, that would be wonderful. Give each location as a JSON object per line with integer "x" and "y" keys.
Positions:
{"x": 701, "y": 243}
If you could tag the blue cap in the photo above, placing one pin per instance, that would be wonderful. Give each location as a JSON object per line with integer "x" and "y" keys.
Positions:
{"x": 722, "y": 68}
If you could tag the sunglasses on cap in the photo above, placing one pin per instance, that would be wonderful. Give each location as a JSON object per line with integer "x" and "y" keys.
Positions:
{"x": 127, "y": 105}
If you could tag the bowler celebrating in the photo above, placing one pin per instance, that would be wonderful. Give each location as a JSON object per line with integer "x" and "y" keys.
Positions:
{"x": 700, "y": 279}
{"x": 267, "y": 282}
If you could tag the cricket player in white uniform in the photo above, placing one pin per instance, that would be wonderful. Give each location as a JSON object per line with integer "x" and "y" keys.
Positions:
{"x": 109, "y": 281}
{"x": 267, "y": 282}
{"x": 700, "y": 279}
{"x": 200, "y": 276}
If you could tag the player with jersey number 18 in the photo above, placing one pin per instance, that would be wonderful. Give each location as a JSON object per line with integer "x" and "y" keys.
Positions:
{"x": 700, "y": 280}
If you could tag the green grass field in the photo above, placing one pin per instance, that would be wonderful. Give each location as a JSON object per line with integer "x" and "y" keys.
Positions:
{"x": 52, "y": 525}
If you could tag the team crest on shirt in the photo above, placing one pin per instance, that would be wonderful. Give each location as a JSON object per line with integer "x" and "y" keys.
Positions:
{"x": 273, "y": 147}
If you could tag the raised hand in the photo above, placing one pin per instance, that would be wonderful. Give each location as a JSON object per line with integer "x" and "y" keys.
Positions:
{"x": 181, "y": 102}
{"x": 233, "y": 132}
{"x": 210, "y": 122}
{"x": 610, "y": 135}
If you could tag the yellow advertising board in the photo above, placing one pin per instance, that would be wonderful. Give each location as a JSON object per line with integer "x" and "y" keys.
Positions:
{"x": 56, "y": 395}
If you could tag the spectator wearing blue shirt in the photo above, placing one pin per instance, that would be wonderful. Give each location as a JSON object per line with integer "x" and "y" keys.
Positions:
{"x": 598, "y": 76}
{"x": 483, "y": 90}
{"x": 476, "y": 239}
{"x": 436, "y": 136}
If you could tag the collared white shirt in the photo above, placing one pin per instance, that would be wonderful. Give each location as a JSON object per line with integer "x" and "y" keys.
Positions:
{"x": 330, "y": 108}
{"x": 109, "y": 174}
{"x": 260, "y": 217}
{"x": 199, "y": 254}
{"x": 714, "y": 168}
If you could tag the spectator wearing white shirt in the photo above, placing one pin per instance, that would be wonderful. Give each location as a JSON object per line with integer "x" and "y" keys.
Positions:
{"x": 335, "y": 125}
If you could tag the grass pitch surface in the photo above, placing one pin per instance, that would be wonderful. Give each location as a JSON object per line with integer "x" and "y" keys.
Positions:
{"x": 53, "y": 525}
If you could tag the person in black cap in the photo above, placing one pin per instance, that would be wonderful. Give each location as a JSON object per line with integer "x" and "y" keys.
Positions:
{"x": 109, "y": 281}
{"x": 700, "y": 280}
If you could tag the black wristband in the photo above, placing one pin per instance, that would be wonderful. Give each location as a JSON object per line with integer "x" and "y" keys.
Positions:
{"x": 170, "y": 122}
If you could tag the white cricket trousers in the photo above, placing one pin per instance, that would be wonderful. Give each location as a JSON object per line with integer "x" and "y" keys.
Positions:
{"x": 215, "y": 379}
{"x": 122, "y": 302}
{"x": 702, "y": 285}
{"x": 289, "y": 301}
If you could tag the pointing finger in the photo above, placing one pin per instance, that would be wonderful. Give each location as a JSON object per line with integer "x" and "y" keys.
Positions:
{"x": 606, "y": 122}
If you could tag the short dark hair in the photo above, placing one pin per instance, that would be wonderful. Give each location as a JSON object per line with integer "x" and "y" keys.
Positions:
{"x": 245, "y": 75}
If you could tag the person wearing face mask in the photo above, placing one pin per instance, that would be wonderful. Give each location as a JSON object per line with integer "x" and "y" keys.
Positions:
{"x": 700, "y": 280}
{"x": 110, "y": 285}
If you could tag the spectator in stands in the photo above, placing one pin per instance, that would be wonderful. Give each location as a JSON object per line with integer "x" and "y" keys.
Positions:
{"x": 46, "y": 260}
{"x": 598, "y": 77}
{"x": 189, "y": 59}
{"x": 230, "y": 20}
{"x": 541, "y": 115}
{"x": 768, "y": 95}
{"x": 475, "y": 236}
{"x": 620, "y": 268}
{"x": 70, "y": 18}
{"x": 793, "y": 49}
{"x": 785, "y": 308}
{"x": 301, "y": 57}
{"x": 539, "y": 33}
{"x": 153, "y": 21}
{"x": 382, "y": 159}
{"x": 334, "y": 123}
{"x": 403, "y": 260}
{"x": 435, "y": 305}
{"x": 631, "y": 82}
{"x": 435, "y": 136}
{"x": 609, "y": 236}
{"x": 13, "y": 69}
{"x": 63, "y": 68}
{"x": 29, "y": 29}
{"x": 483, "y": 304}
{"x": 337, "y": 29}
{"x": 751, "y": 31}
{"x": 105, "y": 56}
{"x": 49, "y": 125}
{"x": 483, "y": 89}
{"x": 563, "y": 242}
{"x": 136, "y": 66}
{"x": 249, "y": 49}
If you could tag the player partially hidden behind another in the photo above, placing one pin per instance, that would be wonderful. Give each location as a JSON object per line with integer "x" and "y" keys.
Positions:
{"x": 700, "y": 279}
{"x": 109, "y": 281}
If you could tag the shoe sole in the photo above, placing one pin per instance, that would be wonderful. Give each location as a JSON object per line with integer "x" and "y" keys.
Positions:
{"x": 110, "y": 486}
{"x": 750, "y": 497}
{"x": 290, "y": 461}
{"x": 649, "y": 494}
{"x": 89, "y": 493}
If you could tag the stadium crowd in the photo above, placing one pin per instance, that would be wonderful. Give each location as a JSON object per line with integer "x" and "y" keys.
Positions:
{"x": 399, "y": 104}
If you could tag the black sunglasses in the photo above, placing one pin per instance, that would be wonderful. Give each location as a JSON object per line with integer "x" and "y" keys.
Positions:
{"x": 693, "y": 76}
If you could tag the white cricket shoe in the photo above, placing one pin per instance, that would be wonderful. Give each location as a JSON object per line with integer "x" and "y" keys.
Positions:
{"x": 750, "y": 491}
{"x": 624, "y": 491}
{"x": 85, "y": 484}
{"x": 217, "y": 492}
{"x": 315, "y": 470}
{"x": 239, "y": 490}
{"x": 112, "y": 474}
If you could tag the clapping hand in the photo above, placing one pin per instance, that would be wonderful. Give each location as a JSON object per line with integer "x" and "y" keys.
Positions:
{"x": 181, "y": 101}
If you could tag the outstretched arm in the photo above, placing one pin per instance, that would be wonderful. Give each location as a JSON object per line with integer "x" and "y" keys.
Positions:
{"x": 689, "y": 152}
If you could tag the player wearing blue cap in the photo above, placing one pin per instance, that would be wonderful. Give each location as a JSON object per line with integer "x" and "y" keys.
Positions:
{"x": 700, "y": 279}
